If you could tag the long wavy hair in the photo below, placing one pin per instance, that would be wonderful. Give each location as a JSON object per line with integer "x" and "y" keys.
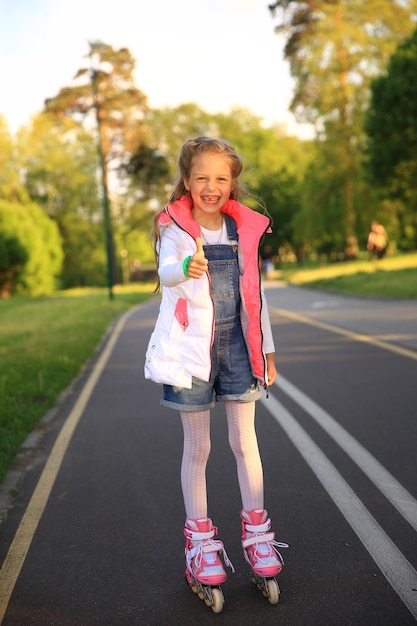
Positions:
{"x": 188, "y": 153}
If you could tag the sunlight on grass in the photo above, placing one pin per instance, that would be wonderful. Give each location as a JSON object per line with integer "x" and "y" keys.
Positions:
{"x": 299, "y": 276}
{"x": 131, "y": 288}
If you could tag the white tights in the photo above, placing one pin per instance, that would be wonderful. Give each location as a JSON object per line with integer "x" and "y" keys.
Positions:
{"x": 197, "y": 445}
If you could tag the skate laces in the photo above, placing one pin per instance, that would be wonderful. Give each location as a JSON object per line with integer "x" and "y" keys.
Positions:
{"x": 206, "y": 549}
{"x": 264, "y": 543}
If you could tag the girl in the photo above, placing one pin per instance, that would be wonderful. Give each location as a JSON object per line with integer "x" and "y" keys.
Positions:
{"x": 213, "y": 342}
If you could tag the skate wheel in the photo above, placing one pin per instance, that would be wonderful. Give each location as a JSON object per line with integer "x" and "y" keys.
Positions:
{"x": 189, "y": 583}
{"x": 217, "y": 596}
{"x": 272, "y": 591}
{"x": 192, "y": 584}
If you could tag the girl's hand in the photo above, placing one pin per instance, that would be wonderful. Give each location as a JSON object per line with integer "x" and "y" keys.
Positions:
{"x": 198, "y": 264}
{"x": 271, "y": 370}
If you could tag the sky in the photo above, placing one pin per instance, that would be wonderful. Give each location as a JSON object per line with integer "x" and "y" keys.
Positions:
{"x": 219, "y": 54}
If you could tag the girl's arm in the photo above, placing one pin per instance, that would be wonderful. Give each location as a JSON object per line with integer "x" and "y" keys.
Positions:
{"x": 170, "y": 270}
{"x": 172, "y": 255}
{"x": 268, "y": 341}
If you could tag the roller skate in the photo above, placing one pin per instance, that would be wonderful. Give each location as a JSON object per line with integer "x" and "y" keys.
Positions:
{"x": 204, "y": 570}
{"x": 260, "y": 550}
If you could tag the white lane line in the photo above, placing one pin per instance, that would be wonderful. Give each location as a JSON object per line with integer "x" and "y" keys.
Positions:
{"x": 298, "y": 317}
{"x": 386, "y": 483}
{"x": 398, "y": 571}
{"x": 20, "y": 545}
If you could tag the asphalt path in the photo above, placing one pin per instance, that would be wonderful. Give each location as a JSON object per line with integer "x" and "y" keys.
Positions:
{"x": 94, "y": 533}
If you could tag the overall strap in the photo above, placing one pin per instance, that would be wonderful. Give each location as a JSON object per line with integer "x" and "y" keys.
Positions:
{"x": 231, "y": 227}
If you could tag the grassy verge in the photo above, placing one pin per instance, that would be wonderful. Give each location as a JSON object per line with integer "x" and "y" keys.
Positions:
{"x": 44, "y": 342}
{"x": 393, "y": 277}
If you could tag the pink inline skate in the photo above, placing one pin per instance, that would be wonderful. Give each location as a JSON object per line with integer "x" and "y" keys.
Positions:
{"x": 260, "y": 550}
{"x": 204, "y": 570}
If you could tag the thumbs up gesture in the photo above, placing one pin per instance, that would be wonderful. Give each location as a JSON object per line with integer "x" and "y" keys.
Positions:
{"x": 198, "y": 264}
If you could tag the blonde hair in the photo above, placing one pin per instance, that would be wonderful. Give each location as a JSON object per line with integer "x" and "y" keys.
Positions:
{"x": 193, "y": 148}
{"x": 188, "y": 153}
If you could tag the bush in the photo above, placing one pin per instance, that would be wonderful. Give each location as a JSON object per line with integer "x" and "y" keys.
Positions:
{"x": 13, "y": 256}
{"x": 31, "y": 248}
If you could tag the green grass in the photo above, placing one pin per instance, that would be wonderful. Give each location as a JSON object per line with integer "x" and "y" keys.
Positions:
{"x": 396, "y": 284}
{"x": 393, "y": 277}
{"x": 44, "y": 343}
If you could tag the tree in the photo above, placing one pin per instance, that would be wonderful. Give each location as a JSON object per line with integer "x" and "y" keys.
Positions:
{"x": 11, "y": 187}
{"x": 149, "y": 168}
{"x": 334, "y": 48}
{"x": 168, "y": 128}
{"x": 107, "y": 90}
{"x": 30, "y": 233}
{"x": 118, "y": 102}
{"x": 59, "y": 163}
{"x": 391, "y": 127}
{"x": 281, "y": 194}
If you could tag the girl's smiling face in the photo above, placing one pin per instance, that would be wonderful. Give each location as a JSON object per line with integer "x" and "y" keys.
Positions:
{"x": 210, "y": 184}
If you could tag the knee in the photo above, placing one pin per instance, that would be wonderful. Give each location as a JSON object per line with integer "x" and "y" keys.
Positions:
{"x": 237, "y": 446}
{"x": 200, "y": 451}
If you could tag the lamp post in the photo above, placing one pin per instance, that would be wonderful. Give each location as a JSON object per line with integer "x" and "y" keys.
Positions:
{"x": 94, "y": 46}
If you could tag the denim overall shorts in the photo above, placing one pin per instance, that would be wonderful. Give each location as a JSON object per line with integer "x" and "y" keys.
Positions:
{"x": 231, "y": 376}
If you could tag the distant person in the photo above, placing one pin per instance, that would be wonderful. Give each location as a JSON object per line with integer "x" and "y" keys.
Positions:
{"x": 267, "y": 264}
{"x": 377, "y": 240}
{"x": 213, "y": 342}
